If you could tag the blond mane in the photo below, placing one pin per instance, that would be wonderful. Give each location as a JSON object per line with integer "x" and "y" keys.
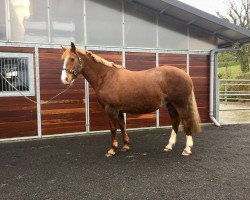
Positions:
{"x": 98, "y": 59}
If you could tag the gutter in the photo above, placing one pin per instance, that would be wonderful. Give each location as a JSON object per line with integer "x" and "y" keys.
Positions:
{"x": 213, "y": 53}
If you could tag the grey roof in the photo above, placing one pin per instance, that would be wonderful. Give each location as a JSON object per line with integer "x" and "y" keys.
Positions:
{"x": 227, "y": 32}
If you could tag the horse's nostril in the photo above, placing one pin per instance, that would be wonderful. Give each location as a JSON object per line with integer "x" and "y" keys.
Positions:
{"x": 66, "y": 79}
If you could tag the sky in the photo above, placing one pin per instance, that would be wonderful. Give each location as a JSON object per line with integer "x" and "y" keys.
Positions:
{"x": 210, "y": 6}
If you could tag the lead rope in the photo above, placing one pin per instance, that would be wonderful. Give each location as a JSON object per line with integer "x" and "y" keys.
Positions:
{"x": 45, "y": 102}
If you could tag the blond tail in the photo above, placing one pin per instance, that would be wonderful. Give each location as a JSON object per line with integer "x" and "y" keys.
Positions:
{"x": 194, "y": 115}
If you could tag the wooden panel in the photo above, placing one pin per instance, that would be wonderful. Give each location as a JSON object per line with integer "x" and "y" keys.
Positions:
{"x": 18, "y": 116}
{"x": 199, "y": 72}
{"x": 98, "y": 118}
{"x": 66, "y": 113}
{"x": 140, "y": 61}
{"x": 176, "y": 60}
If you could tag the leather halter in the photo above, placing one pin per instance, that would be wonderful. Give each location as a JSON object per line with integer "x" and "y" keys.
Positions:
{"x": 77, "y": 69}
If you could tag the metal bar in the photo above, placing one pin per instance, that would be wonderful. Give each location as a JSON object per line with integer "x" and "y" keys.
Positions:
{"x": 188, "y": 63}
{"x": 217, "y": 92}
{"x": 244, "y": 84}
{"x": 4, "y": 69}
{"x": 1, "y": 71}
{"x": 232, "y": 109}
{"x": 11, "y": 72}
{"x": 7, "y": 11}
{"x": 38, "y": 97}
{"x": 105, "y": 48}
{"x": 9, "y": 63}
{"x": 234, "y": 94}
{"x": 16, "y": 78}
{"x": 157, "y": 111}
{"x": 49, "y": 24}
{"x": 24, "y": 74}
{"x": 124, "y": 65}
{"x": 19, "y": 67}
{"x": 234, "y": 80}
{"x": 157, "y": 31}
{"x": 84, "y": 22}
{"x": 19, "y": 73}
{"x": 87, "y": 106}
{"x": 123, "y": 24}
{"x": 16, "y": 139}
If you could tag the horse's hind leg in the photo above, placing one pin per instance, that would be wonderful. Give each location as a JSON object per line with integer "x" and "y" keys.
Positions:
{"x": 122, "y": 126}
{"x": 175, "y": 124}
{"x": 189, "y": 139}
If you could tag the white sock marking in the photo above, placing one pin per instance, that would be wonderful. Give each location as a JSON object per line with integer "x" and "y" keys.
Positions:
{"x": 64, "y": 75}
{"x": 172, "y": 141}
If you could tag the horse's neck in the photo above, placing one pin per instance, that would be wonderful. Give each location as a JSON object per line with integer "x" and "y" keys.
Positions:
{"x": 93, "y": 72}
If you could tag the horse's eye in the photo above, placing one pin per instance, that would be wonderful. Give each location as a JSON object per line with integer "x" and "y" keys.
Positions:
{"x": 72, "y": 59}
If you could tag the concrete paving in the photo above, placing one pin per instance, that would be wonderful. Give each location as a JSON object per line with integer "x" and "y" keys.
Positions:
{"x": 76, "y": 168}
{"x": 234, "y": 116}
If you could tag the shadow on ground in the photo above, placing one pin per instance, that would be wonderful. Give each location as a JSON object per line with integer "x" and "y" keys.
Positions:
{"x": 76, "y": 168}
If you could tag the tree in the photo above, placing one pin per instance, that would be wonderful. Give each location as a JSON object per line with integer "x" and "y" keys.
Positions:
{"x": 240, "y": 15}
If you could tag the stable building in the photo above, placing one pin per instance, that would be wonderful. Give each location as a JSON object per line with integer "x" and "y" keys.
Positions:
{"x": 138, "y": 34}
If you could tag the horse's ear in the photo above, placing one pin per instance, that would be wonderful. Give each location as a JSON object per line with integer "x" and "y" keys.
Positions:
{"x": 73, "y": 47}
{"x": 63, "y": 48}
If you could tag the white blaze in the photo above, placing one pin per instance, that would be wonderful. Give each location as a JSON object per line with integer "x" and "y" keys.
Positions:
{"x": 64, "y": 75}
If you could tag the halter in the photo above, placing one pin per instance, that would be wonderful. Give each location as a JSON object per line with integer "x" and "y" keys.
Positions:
{"x": 77, "y": 69}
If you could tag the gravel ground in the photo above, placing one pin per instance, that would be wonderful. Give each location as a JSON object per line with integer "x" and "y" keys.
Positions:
{"x": 76, "y": 168}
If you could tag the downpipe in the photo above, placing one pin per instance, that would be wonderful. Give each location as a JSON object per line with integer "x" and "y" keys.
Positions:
{"x": 213, "y": 53}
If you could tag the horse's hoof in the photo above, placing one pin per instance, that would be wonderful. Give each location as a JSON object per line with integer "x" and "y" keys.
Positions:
{"x": 125, "y": 148}
{"x": 110, "y": 153}
{"x": 186, "y": 152}
{"x": 167, "y": 149}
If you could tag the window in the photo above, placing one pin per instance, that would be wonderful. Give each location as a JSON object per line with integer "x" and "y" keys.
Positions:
{"x": 16, "y": 73}
{"x": 2, "y": 20}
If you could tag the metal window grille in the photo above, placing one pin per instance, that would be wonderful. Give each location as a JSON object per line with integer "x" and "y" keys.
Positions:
{"x": 16, "y": 73}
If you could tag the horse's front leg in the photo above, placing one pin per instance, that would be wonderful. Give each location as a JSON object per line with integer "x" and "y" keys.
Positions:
{"x": 113, "y": 122}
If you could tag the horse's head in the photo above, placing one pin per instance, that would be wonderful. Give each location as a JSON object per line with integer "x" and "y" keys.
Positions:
{"x": 72, "y": 64}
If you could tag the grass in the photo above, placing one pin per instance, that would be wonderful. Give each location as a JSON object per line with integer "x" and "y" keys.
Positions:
{"x": 229, "y": 72}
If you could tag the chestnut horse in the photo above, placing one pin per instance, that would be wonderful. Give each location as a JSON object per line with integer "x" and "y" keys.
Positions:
{"x": 121, "y": 91}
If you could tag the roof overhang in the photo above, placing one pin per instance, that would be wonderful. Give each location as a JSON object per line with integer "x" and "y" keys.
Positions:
{"x": 227, "y": 33}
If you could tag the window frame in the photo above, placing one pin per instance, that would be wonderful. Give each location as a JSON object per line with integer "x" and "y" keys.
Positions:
{"x": 31, "y": 75}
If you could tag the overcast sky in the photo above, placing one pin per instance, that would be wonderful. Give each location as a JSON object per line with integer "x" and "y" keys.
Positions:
{"x": 209, "y": 6}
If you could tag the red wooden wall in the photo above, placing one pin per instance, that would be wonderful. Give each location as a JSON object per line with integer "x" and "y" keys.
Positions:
{"x": 199, "y": 72}
{"x": 66, "y": 113}
{"x": 18, "y": 116}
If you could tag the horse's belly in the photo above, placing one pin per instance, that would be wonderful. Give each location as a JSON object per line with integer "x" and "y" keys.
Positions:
{"x": 141, "y": 107}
